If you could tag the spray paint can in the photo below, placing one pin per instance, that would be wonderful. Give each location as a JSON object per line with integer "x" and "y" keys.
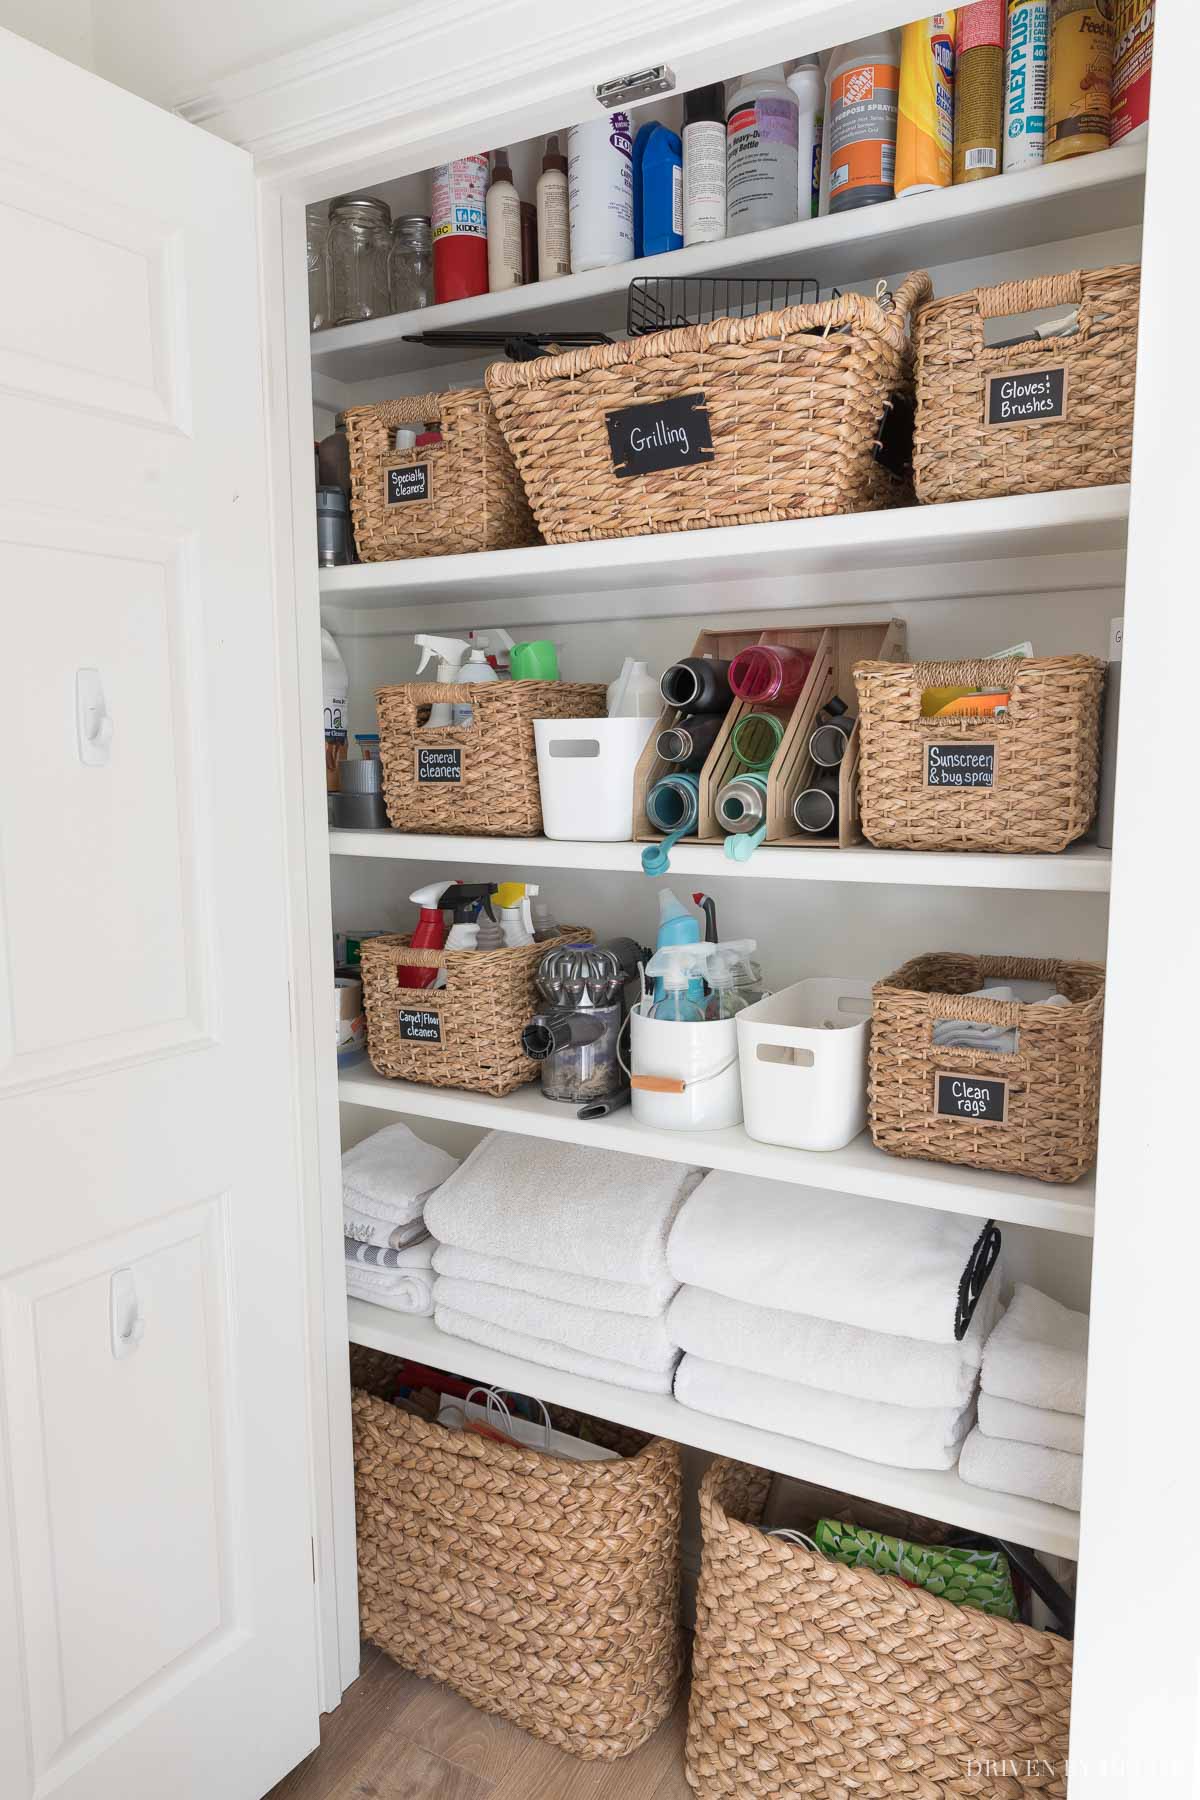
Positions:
{"x": 1131, "y": 71}
{"x": 925, "y": 123}
{"x": 458, "y": 223}
{"x": 1025, "y": 52}
{"x": 979, "y": 98}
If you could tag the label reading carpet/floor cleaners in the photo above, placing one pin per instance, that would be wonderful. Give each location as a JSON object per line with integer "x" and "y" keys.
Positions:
{"x": 420, "y": 1027}
{"x": 862, "y": 135}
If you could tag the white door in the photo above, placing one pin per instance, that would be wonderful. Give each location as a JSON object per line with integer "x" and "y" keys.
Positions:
{"x": 156, "y": 1583}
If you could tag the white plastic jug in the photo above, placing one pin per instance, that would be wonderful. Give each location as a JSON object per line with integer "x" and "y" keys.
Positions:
{"x": 585, "y": 774}
{"x": 698, "y": 1062}
{"x": 804, "y": 1064}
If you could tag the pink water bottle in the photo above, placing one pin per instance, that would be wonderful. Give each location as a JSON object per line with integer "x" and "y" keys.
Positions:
{"x": 769, "y": 674}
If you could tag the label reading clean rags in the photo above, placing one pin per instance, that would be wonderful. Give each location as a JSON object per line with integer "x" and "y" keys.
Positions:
{"x": 420, "y": 1027}
{"x": 409, "y": 482}
{"x": 981, "y": 1098}
{"x": 663, "y": 434}
{"x": 1030, "y": 397}
{"x": 441, "y": 763}
{"x": 962, "y": 764}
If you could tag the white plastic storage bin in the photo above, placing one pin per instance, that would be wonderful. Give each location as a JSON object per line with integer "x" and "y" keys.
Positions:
{"x": 803, "y": 1056}
{"x": 585, "y": 774}
{"x": 693, "y": 1069}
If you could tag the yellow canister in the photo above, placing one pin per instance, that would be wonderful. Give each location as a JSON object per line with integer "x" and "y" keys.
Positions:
{"x": 1080, "y": 77}
{"x": 925, "y": 121}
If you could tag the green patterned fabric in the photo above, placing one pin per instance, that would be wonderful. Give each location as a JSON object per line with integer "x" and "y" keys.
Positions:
{"x": 978, "y": 1578}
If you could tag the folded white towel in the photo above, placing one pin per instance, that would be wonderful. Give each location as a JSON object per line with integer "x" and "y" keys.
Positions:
{"x": 857, "y": 1261}
{"x": 1029, "y": 1470}
{"x": 646, "y": 1301}
{"x": 404, "y": 1290}
{"x": 1038, "y": 1353}
{"x": 562, "y": 1206}
{"x": 551, "y": 1356}
{"x": 618, "y": 1337}
{"x": 389, "y": 1174}
{"x": 1030, "y": 1424}
{"x": 842, "y": 1359}
{"x": 907, "y": 1437}
{"x": 365, "y": 1228}
{"x": 383, "y": 1256}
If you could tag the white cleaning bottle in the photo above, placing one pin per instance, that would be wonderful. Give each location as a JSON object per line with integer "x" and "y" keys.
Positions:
{"x": 806, "y": 83}
{"x": 675, "y": 968}
{"x": 450, "y": 653}
{"x": 761, "y": 131}
{"x": 637, "y": 696}
{"x": 600, "y": 192}
{"x": 476, "y": 668}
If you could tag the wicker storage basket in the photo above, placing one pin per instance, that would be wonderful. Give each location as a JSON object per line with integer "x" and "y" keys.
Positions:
{"x": 468, "y": 497}
{"x": 491, "y": 784}
{"x": 1088, "y": 438}
{"x": 541, "y": 1589}
{"x": 794, "y": 400}
{"x": 466, "y": 1034}
{"x": 1036, "y": 787}
{"x": 812, "y": 1678}
{"x": 1045, "y": 1095}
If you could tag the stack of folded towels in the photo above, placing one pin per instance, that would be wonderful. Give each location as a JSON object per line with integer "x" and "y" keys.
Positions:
{"x": 1029, "y": 1439}
{"x": 386, "y": 1181}
{"x": 829, "y": 1318}
{"x": 557, "y": 1253}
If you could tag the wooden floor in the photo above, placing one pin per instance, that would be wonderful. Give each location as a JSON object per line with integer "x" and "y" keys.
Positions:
{"x": 396, "y": 1737}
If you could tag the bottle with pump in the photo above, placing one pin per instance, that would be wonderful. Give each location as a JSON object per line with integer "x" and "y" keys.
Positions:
{"x": 515, "y": 915}
{"x": 704, "y": 165}
{"x": 674, "y": 969}
{"x": 553, "y": 214}
{"x": 430, "y": 933}
{"x": 450, "y": 653}
{"x": 503, "y": 227}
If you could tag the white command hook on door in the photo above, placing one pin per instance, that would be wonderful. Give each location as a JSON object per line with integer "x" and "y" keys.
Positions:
{"x": 126, "y": 1318}
{"x": 92, "y": 719}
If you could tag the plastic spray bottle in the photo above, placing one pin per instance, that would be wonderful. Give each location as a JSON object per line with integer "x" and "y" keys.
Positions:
{"x": 553, "y": 217}
{"x": 450, "y": 653}
{"x": 674, "y": 969}
{"x": 515, "y": 915}
{"x": 676, "y": 925}
{"x": 503, "y": 208}
{"x": 723, "y": 964}
{"x": 465, "y": 899}
{"x": 476, "y": 668}
{"x": 430, "y": 933}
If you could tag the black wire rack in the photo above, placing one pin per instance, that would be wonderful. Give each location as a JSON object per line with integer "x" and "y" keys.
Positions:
{"x": 665, "y": 302}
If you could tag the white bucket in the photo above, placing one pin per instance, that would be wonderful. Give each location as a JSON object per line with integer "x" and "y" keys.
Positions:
{"x": 803, "y": 1053}
{"x": 701, "y": 1064}
{"x": 585, "y": 773}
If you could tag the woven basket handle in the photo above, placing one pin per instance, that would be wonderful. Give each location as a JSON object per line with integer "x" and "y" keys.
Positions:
{"x": 1029, "y": 296}
{"x": 914, "y": 289}
{"x": 410, "y": 409}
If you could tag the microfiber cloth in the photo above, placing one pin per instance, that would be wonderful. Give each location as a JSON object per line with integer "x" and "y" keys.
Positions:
{"x": 389, "y": 1174}
{"x": 619, "y": 1337}
{"x": 907, "y": 1437}
{"x": 1038, "y": 1353}
{"x": 562, "y": 1206}
{"x": 646, "y": 1301}
{"x": 842, "y": 1359}
{"x": 842, "y": 1257}
{"x": 1030, "y": 1424}
{"x": 551, "y": 1356}
{"x": 1029, "y": 1470}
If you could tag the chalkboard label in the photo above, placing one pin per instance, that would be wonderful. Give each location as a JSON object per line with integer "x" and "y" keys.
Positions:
{"x": 1030, "y": 397}
{"x": 664, "y": 434}
{"x": 441, "y": 762}
{"x": 964, "y": 763}
{"x": 409, "y": 482}
{"x": 980, "y": 1098}
{"x": 420, "y": 1027}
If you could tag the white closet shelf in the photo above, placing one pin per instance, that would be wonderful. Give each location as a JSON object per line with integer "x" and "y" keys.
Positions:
{"x": 1067, "y": 200}
{"x": 858, "y": 1169}
{"x": 1083, "y": 869}
{"x": 1021, "y": 543}
{"x": 933, "y": 1493}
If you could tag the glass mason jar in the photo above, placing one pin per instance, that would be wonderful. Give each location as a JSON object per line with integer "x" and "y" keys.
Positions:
{"x": 410, "y": 265}
{"x": 359, "y": 241}
{"x": 316, "y": 220}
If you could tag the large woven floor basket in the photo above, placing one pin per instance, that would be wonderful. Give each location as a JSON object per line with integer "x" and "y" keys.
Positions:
{"x": 460, "y": 495}
{"x": 810, "y": 1678}
{"x": 542, "y": 1589}
{"x": 975, "y": 436}
{"x": 1030, "y": 776}
{"x": 481, "y": 777}
{"x": 795, "y": 402}
{"x": 1040, "y": 1103}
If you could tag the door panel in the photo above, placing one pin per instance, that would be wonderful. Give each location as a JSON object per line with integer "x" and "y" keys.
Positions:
{"x": 157, "y": 1632}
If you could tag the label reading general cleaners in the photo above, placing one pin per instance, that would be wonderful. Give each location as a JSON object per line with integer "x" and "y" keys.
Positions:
{"x": 663, "y": 434}
{"x": 420, "y": 1027}
{"x": 983, "y": 1098}
{"x": 964, "y": 764}
{"x": 443, "y": 763}
{"x": 409, "y": 482}
{"x": 1030, "y": 397}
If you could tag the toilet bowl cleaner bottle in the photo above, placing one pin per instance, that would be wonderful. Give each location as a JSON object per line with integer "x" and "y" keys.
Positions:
{"x": 458, "y": 220}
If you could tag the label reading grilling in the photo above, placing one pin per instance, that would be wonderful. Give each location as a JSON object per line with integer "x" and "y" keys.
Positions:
{"x": 963, "y": 764}
{"x": 443, "y": 763}
{"x": 1030, "y": 397}
{"x": 982, "y": 1098}
{"x": 663, "y": 434}
{"x": 408, "y": 482}
{"x": 420, "y": 1027}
